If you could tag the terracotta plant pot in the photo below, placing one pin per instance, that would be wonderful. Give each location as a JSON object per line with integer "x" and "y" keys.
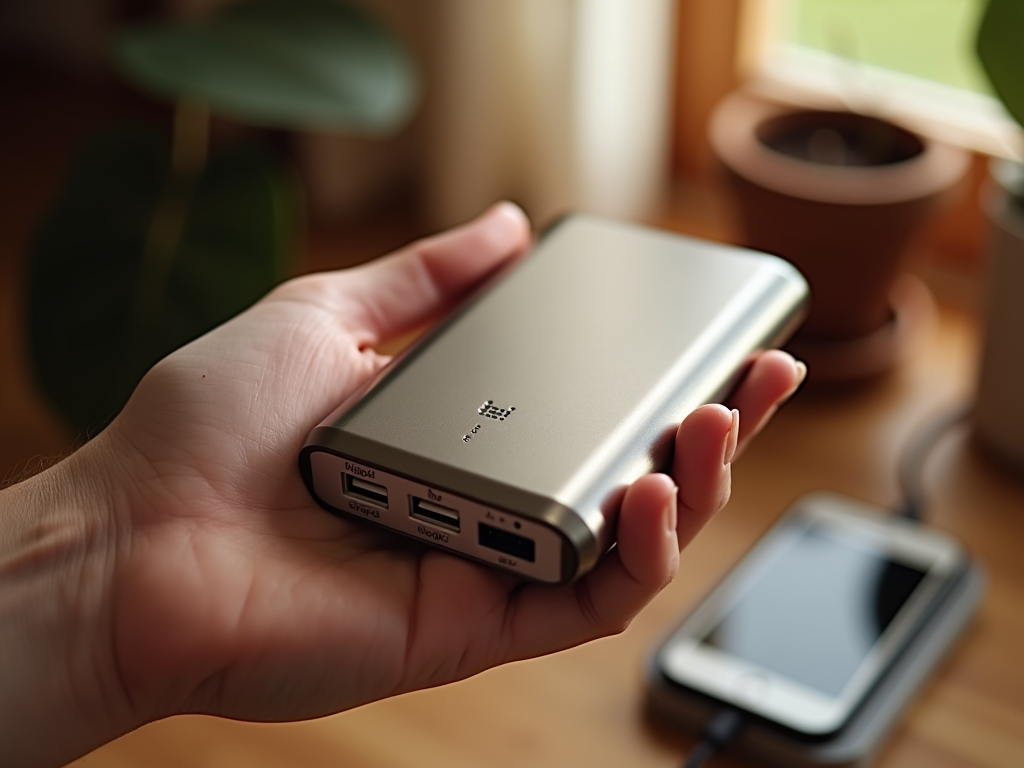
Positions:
{"x": 999, "y": 403}
{"x": 839, "y": 195}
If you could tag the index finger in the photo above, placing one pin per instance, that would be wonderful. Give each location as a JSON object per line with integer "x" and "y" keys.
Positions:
{"x": 399, "y": 292}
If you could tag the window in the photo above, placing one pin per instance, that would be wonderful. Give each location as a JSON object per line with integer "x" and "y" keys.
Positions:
{"x": 911, "y": 60}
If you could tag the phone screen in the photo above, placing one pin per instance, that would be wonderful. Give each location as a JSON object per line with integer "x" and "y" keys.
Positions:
{"x": 816, "y": 608}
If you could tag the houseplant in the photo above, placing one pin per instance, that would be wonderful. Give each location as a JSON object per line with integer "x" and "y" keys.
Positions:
{"x": 839, "y": 194}
{"x": 999, "y": 403}
{"x": 154, "y": 238}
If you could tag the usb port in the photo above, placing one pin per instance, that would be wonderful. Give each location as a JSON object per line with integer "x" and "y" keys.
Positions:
{"x": 507, "y": 543}
{"x": 364, "y": 490}
{"x": 435, "y": 514}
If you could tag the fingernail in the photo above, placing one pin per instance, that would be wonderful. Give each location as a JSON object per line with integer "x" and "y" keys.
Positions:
{"x": 672, "y": 512}
{"x": 508, "y": 209}
{"x": 801, "y": 374}
{"x": 732, "y": 438}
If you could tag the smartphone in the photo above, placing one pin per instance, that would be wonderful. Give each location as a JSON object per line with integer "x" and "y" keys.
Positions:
{"x": 809, "y": 622}
{"x": 509, "y": 433}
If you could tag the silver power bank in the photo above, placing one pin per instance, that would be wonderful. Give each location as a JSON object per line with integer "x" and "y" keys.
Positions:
{"x": 509, "y": 433}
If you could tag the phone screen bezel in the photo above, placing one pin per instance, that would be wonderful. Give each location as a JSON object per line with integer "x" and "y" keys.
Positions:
{"x": 685, "y": 660}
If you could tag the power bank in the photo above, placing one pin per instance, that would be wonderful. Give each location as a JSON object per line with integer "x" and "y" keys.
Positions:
{"x": 510, "y": 432}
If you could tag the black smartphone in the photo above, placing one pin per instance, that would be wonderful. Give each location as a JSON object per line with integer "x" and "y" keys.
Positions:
{"x": 808, "y": 623}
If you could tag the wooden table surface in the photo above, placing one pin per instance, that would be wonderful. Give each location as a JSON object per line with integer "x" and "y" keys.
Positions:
{"x": 584, "y": 707}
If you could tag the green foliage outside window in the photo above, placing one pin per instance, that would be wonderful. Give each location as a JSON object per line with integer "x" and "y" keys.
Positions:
{"x": 931, "y": 39}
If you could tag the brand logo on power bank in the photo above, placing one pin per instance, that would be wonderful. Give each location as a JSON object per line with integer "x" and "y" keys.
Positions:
{"x": 491, "y": 411}
{"x": 488, "y": 410}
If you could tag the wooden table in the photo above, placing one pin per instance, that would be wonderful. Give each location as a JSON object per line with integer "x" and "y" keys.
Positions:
{"x": 584, "y": 707}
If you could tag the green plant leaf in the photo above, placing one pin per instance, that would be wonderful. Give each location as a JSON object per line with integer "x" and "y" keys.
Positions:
{"x": 87, "y": 347}
{"x": 311, "y": 64}
{"x": 1001, "y": 50}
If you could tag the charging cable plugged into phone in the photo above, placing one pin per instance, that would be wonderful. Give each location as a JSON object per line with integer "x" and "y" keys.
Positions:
{"x": 719, "y": 733}
{"x": 809, "y": 650}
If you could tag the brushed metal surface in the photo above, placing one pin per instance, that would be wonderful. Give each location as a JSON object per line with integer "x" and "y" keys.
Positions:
{"x": 602, "y": 341}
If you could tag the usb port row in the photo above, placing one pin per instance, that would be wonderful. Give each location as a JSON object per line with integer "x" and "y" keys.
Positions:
{"x": 364, "y": 490}
{"x": 435, "y": 514}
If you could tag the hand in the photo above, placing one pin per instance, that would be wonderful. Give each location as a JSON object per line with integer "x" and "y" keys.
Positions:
{"x": 197, "y": 575}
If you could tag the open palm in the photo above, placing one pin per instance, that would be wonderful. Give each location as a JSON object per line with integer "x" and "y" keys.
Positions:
{"x": 234, "y": 594}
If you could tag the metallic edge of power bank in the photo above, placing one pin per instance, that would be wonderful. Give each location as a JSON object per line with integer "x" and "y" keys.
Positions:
{"x": 613, "y": 304}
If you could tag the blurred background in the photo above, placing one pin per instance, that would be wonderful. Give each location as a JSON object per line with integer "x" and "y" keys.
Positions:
{"x": 560, "y": 105}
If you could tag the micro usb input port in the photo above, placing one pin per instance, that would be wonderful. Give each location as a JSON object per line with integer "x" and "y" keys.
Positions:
{"x": 435, "y": 514}
{"x": 507, "y": 543}
{"x": 364, "y": 490}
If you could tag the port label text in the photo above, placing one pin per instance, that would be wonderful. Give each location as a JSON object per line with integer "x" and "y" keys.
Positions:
{"x": 435, "y": 535}
{"x": 363, "y": 510}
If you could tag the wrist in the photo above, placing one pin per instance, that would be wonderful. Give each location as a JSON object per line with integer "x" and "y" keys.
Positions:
{"x": 59, "y": 535}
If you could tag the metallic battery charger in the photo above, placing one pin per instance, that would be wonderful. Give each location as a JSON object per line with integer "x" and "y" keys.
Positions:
{"x": 509, "y": 433}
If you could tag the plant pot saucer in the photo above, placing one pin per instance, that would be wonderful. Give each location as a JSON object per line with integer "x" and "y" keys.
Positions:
{"x": 834, "y": 361}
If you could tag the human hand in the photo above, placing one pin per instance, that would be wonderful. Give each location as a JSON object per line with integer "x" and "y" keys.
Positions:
{"x": 206, "y": 579}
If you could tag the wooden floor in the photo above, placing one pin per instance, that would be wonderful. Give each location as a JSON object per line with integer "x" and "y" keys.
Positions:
{"x": 585, "y": 707}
